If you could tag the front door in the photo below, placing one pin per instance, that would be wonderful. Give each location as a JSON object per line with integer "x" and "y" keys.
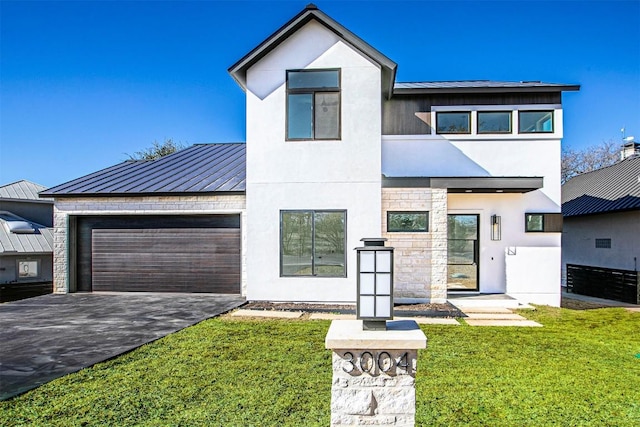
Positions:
{"x": 462, "y": 252}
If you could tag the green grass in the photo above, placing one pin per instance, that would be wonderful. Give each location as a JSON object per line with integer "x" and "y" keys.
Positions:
{"x": 582, "y": 368}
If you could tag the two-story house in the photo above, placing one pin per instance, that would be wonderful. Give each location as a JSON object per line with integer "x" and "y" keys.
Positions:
{"x": 462, "y": 178}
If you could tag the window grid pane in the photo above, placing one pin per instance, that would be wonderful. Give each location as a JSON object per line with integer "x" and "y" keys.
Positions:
{"x": 458, "y": 122}
{"x": 329, "y": 244}
{"x": 327, "y": 111}
{"x": 296, "y": 243}
{"x": 535, "y": 121}
{"x": 313, "y": 79}
{"x": 299, "y": 120}
{"x": 494, "y": 122}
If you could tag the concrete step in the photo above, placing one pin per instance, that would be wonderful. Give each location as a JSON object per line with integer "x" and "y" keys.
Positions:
{"x": 462, "y": 301}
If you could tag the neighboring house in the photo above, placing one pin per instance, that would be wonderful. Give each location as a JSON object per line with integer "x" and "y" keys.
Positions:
{"x": 26, "y": 240}
{"x": 462, "y": 178}
{"x": 601, "y": 212}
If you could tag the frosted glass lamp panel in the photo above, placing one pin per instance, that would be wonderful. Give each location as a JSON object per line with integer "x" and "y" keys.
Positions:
{"x": 383, "y": 262}
{"x": 366, "y": 284}
{"x": 383, "y": 284}
{"x": 367, "y": 308}
{"x": 383, "y": 306}
{"x": 367, "y": 261}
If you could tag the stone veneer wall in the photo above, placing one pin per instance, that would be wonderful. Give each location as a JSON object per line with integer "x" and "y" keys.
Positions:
{"x": 420, "y": 267}
{"x": 147, "y": 205}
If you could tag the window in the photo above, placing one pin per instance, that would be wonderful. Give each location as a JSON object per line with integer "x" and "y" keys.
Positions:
{"x": 603, "y": 243}
{"x": 28, "y": 269}
{"x": 494, "y": 122}
{"x": 458, "y": 122}
{"x": 535, "y": 121}
{"x": 543, "y": 222}
{"x": 411, "y": 222}
{"x": 313, "y": 104}
{"x": 312, "y": 243}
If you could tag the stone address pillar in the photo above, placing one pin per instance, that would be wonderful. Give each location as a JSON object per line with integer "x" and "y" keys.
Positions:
{"x": 374, "y": 373}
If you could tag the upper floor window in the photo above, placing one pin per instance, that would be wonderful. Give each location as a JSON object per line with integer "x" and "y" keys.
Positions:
{"x": 494, "y": 121}
{"x": 535, "y": 121}
{"x": 453, "y": 122}
{"x": 313, "y": 104}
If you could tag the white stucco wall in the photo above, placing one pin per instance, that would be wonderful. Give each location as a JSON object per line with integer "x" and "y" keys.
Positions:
{"x": 533, "y": 274}
{"x": 310, "y": 175}
{"x": 478, "y": 155}
{"x": 511, "y": 208}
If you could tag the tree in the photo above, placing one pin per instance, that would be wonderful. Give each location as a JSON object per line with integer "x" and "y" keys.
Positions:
{"x": 157, "y": 150}
{"x": 576, "y": 162}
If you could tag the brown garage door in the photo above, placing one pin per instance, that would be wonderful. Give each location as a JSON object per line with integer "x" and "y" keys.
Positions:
{"x": 159, "y": 254}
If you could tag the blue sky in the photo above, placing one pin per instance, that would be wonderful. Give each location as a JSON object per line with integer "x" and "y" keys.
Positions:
{"x": 85, "y": 83}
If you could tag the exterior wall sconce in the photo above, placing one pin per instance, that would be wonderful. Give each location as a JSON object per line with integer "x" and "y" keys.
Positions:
{"x": 496, "y": 227}
{"x": 374, "y": 302}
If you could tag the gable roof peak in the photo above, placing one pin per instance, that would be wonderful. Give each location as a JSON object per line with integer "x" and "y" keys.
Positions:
{"x": 311, "y": 12}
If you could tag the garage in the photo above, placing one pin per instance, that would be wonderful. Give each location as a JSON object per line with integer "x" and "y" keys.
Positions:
{"x": 158, "y": 253}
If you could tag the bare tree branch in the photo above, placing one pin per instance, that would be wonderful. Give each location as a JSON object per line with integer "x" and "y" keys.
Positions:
{"x": 157, "y": 150}
{"x": 575, "y": 162}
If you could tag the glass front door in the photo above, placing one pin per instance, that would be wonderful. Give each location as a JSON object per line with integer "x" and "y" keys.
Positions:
{"x": 462, "y": 252}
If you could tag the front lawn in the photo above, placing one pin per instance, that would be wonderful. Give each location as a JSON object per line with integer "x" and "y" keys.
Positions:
{"x": 582, "y": 368}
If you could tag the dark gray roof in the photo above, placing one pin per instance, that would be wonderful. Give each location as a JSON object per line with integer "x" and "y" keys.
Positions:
{"x": 29, "y": 238}
{"x": 610, "y": 189}
{"x": 23, "y": 190}
{"x": 468, "y": 86}
{"x": 201, "y": 168}
{"x": 239, "y": 70}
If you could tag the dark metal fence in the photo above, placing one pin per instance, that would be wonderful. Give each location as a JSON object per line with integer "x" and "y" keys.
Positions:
{"x": 617, "y": 285}
{"x": 18, "y": 291}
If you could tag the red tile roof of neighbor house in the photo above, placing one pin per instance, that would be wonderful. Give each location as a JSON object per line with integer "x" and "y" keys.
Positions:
{"x": 201, "y": 168}
{"x": 610, "y": 189}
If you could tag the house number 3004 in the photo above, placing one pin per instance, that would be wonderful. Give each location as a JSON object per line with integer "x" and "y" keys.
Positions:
{"x": 373, "y": 363}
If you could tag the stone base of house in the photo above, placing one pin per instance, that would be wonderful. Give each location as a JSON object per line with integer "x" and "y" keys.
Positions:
{"x": 420, "y": 258}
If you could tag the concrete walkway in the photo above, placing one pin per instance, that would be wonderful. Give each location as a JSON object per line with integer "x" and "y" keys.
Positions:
{"x": 473, "y": 316}
{"x": 46, "y": 337}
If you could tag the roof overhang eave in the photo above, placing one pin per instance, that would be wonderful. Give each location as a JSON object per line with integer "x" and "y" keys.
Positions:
{"x": 474, "y": 185}
{"x": 467, "y": 90}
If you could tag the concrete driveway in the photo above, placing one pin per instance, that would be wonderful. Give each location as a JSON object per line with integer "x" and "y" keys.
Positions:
{"x": 46, "y": 337}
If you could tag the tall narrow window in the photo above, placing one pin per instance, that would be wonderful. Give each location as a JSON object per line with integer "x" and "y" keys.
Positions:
{"x": 312, "y": 243}
{"x": 313, "y": 104}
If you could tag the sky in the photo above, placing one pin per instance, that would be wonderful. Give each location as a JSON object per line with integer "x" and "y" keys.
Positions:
{"x": 83, "y": 84}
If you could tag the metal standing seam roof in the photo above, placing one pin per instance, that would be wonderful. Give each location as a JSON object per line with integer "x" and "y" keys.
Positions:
{"x": 23, "y": 190}
{"x": 468, "y": 86}
{"x": 201, "y": 168}
{"x": 610, "y": 189}
{"x": 41, "y": 241}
